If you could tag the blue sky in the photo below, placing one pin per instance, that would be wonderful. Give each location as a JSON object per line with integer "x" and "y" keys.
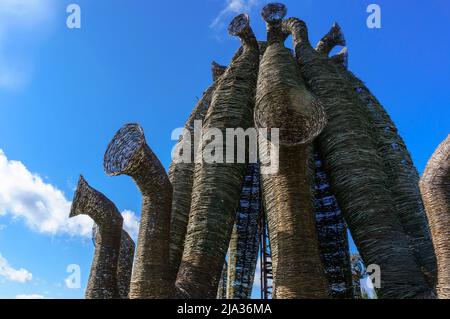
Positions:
{"x": 64, "y": 93}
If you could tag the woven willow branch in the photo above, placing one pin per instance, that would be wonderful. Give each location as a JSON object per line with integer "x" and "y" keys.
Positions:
{"x": 244, "y": 243}
{"x": 403, "y": 178}
{"x": 181, "y": 176}
{"x": 283, "y": 102}
{"x": 125, "y": 263}
{"x": 435, "y": 187}
{"x": 129, "y": 154}
{"x": 357, "y": 173}
{"x": 217, "y": 187}
{"x": 102, "y": 283}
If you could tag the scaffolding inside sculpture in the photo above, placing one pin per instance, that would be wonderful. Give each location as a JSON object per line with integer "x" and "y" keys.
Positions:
{"x": 342, "y": 166}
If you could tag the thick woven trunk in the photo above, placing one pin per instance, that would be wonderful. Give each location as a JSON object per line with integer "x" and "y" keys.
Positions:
{"x": 181, "y": 175}
{"x": 244, "y": 243}
{"x": 435, "y": 187}
{"x": 125, "y": 263}
{"x": 102, "y": 283}
{"x": 358, "y": 174}
{"x": 217, "y": 186}
{"x": 283, "y": 102}
{"x": 222, "y": 290}
{"x": 129, "y": 154}
{"x": 403, "y": 177}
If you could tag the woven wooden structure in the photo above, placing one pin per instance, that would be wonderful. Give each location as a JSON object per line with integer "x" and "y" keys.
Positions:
{"x": 129, "y": 154}
{"x": 282, "y": 101}
{"x": 181, "y": 176}
{"x": 244, "y": 243}
{"x": 402, "y": 175}
{"x": 222, "y": 290}
{"x": 332, "y": 233}
{"x": 357, "y": 173}
{"x": 435, "y": 187}
{"x": 217, "y": 186}
{"x": 102, "y": 283}
{"x": 333, "y": 38}
{"x": 125, "y": 262}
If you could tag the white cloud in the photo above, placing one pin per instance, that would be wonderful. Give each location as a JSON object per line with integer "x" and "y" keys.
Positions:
{"x": 33, "y": 296}
{"x": 233, "y": 7}
{"x": 44, "y": 208}
{"x": 131, "y": 223}
{"x": 24, "y": 196}
{"x": 18, "y": 275}
{"x": 27, "y": 18}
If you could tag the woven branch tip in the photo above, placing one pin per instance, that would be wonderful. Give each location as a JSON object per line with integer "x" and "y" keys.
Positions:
{"x": 402, "y": 175}
{"x": 217, "y": 70}
{"x": 341, "y": 58}
{"x": 357, "y": 173}
{"x": 128, "y": 153}
{"x": 435, "y": 188}
{"x": 102, "y": 283}
{"x": 333, "y": 38}
{"x": 274, "y": 12}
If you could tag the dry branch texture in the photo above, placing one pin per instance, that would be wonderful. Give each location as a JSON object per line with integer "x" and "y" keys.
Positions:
{"x": 217, "y": 186}
{"x": 283, "y": 102}
{"x": 435, "y": 187}
{"x": 244, "y": 243}
{"x": 357, "y": 173}
{"x": 129, "y": 154}
{"x": 181, "y": 176}
{"x": 402, "y": 176}
{"x": 125, "y": 263}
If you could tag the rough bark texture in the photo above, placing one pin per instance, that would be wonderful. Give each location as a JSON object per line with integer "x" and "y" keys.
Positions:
{"x": 125, "y": 263}
{"x": 217, "y": 186}
{"x": 402, "y": 176}
{"x": 129, "y": 154}
{"x": 102, "y": 283}
{"x": 244, "y": 243}
{"x": 283, "y": 102}
{"x": 357, "y": 173}
{"x": 435, "y": 187}
{"x": 181, "y": 175}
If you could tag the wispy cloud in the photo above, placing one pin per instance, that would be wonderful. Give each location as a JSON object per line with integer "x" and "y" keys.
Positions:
{"x": 233, "y": 7}
{"x": 18, "y": 275}
{"x": 33, "y": 296}
{"x": 27, "y": 17}
{"x": 43, "y": 207}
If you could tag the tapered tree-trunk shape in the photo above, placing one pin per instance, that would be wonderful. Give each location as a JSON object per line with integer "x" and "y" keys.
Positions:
{"x": 102, "y": 283}
{"x": 282, "y": 101}
{"x": 244, "y": 243}
{"x": 217, "y": 186}
{"x": 125, "y": 263}
{"x": 129, "y": 154}
{"x": 435, "y": 187}
{"x": 332, "y": 233}
{"x": 403, "y": 177}
{"x": 357, "y": 173}
{"x": 181, "y": 174}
